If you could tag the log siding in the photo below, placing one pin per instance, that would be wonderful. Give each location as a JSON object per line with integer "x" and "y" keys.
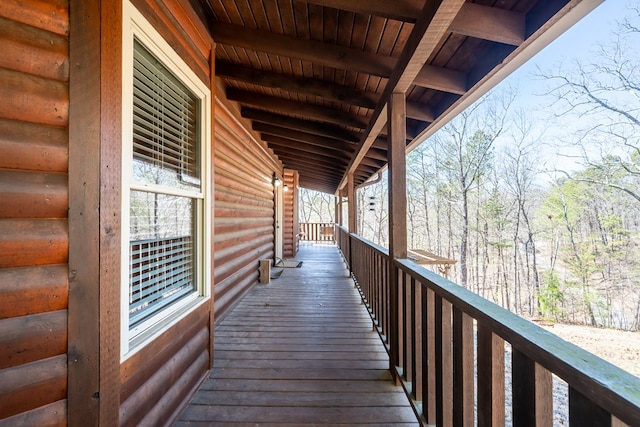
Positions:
{"x": 244, "y": 207}
{"x": 34, "y": 194}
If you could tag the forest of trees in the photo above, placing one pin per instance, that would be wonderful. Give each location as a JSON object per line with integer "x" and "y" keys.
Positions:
{"x": 543, "y": 218}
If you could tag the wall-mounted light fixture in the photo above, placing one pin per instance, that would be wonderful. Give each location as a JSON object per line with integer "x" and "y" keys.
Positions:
{"x": 276, "y": 181}
{"x": 285, "y": 188}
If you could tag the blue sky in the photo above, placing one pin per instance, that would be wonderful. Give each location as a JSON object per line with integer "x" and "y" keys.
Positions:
{"x": 577, "y": 43}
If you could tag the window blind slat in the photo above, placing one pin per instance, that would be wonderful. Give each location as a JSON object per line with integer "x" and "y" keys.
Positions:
{"x": 165, "y": 111}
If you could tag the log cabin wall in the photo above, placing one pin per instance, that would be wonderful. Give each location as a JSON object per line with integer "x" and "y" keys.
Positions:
{"x": 244, "y": 206}
{"x": 291, "y": 214}
{"x": 34, "y": 239}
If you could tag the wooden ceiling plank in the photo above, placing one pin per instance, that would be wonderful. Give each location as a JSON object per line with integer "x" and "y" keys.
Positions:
{"x": 321, "y": 89}
{"x": 311, "y": 50}
{"x": 305, "y": 137}
{"x": 316, "y": 128}
{"x": 490, "y": 23}
{"x": 442, "y": 79}
{"x": 311, "y": 111}
{"x": 400, "y": 10}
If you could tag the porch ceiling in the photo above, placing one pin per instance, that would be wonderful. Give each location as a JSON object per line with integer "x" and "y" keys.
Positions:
{"x": 314, "y": 76}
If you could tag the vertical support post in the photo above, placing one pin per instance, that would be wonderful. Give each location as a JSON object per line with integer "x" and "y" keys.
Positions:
{"x": 337, "y": 203}
{"x": 351, "y": 196}
{"x": 351, "y": 199}
{"x": 95, "y": 88}
{"x": 397, "y": 179}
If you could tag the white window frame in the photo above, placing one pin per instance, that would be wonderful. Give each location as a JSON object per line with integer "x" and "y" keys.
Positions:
{"x": 136, "y": 26}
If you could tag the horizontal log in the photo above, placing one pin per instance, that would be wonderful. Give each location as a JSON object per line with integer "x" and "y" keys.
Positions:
{"x": 51, "y": 415}
{"x": 34, "y": 99}
{"x": 179, "y": 395}
{"x": 138, "y": 368}
{"x": 33, "y": 242}
{"x": 30, "y": 146}
{"x": 26, "y": 339}
{"x": 33, "y": 51}
{"x": 226, "y": 224}
{"x": 137, "y": 405}
{"x": 33, "y": 194}
{"x": 233, "y": 266}
{"x": 32, "y": 290}
{"x": 30, "y": 386}
{"x": 232, "y": 239}
{"x": 51, "y": 15}
{"x": 226, "y": 182}
{"x": 240, "y": 252}
{"x": 231, "y": 198}
{"x": 237, "y": 136}
{"x": 242, "y": 282}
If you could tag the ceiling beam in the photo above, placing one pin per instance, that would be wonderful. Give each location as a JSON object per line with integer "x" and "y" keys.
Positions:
{"x": 442, "y": 79}
{"x": 311, "y": 111}
{"x": 419, "y": 112}
{"x": 400, "y": 10}
{"x": 316, "y": 169}
{"x": 288, "y": 155}
{"x": 490, "y": 23}
{"x": 330, "y": 55}
{"x": 311, "y": 87}
{"x": 303, "y": 137}
{"x": 278, "y": 141}
{"x": 316, "y": 128}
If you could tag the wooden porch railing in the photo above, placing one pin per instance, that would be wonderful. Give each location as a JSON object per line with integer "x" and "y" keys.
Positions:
{"x": 317, "y": 231}
{"x": 450, "y": 339}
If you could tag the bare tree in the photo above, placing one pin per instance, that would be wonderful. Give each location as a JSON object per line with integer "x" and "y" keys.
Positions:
{"x": 466, "y": 145}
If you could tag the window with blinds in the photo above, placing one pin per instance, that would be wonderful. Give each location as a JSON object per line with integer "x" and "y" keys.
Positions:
{"x": 165, "y": 127}
{"x": 165, "y": 194}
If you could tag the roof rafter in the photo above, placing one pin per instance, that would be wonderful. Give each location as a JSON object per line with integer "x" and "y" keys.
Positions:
{"x": 280, "y": 141}
{"x": 340, "y": 57}
{"x": 316, "y": 128}
{"x": 312, "y": 111}
{"x": 490, "y": 23}
{"x": 312, "y": 87}
{"x": 319, "y": 141}
{"x": 401, "y": 10}
{"x": 442, "y": 79}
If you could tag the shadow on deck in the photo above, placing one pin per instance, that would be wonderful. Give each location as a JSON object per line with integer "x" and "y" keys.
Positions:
{"x": 300, "y": 351}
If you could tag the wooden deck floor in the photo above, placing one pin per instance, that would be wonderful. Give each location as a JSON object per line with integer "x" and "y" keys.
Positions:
{"x": 300, "y": 351}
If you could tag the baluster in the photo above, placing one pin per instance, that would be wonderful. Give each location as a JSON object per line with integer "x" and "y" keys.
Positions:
{"x": 463, "y": 367}
{"x": 532, "y": 391}
{"x": 490, "y": 378}
{"x": 416, "y": 340}
{"x": 444, "y": 363}
{"x": 407, "y": 327}
{"x": 429, "y": 358}
{"x": 584, "y": 413}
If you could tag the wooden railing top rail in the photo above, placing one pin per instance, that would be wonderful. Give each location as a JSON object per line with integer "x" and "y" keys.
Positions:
{"x": 607, "y": 385}
{"x": 384, "y": 251}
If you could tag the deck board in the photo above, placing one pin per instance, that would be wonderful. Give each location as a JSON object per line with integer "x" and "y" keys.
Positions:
{"x": 300, "y": 351}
